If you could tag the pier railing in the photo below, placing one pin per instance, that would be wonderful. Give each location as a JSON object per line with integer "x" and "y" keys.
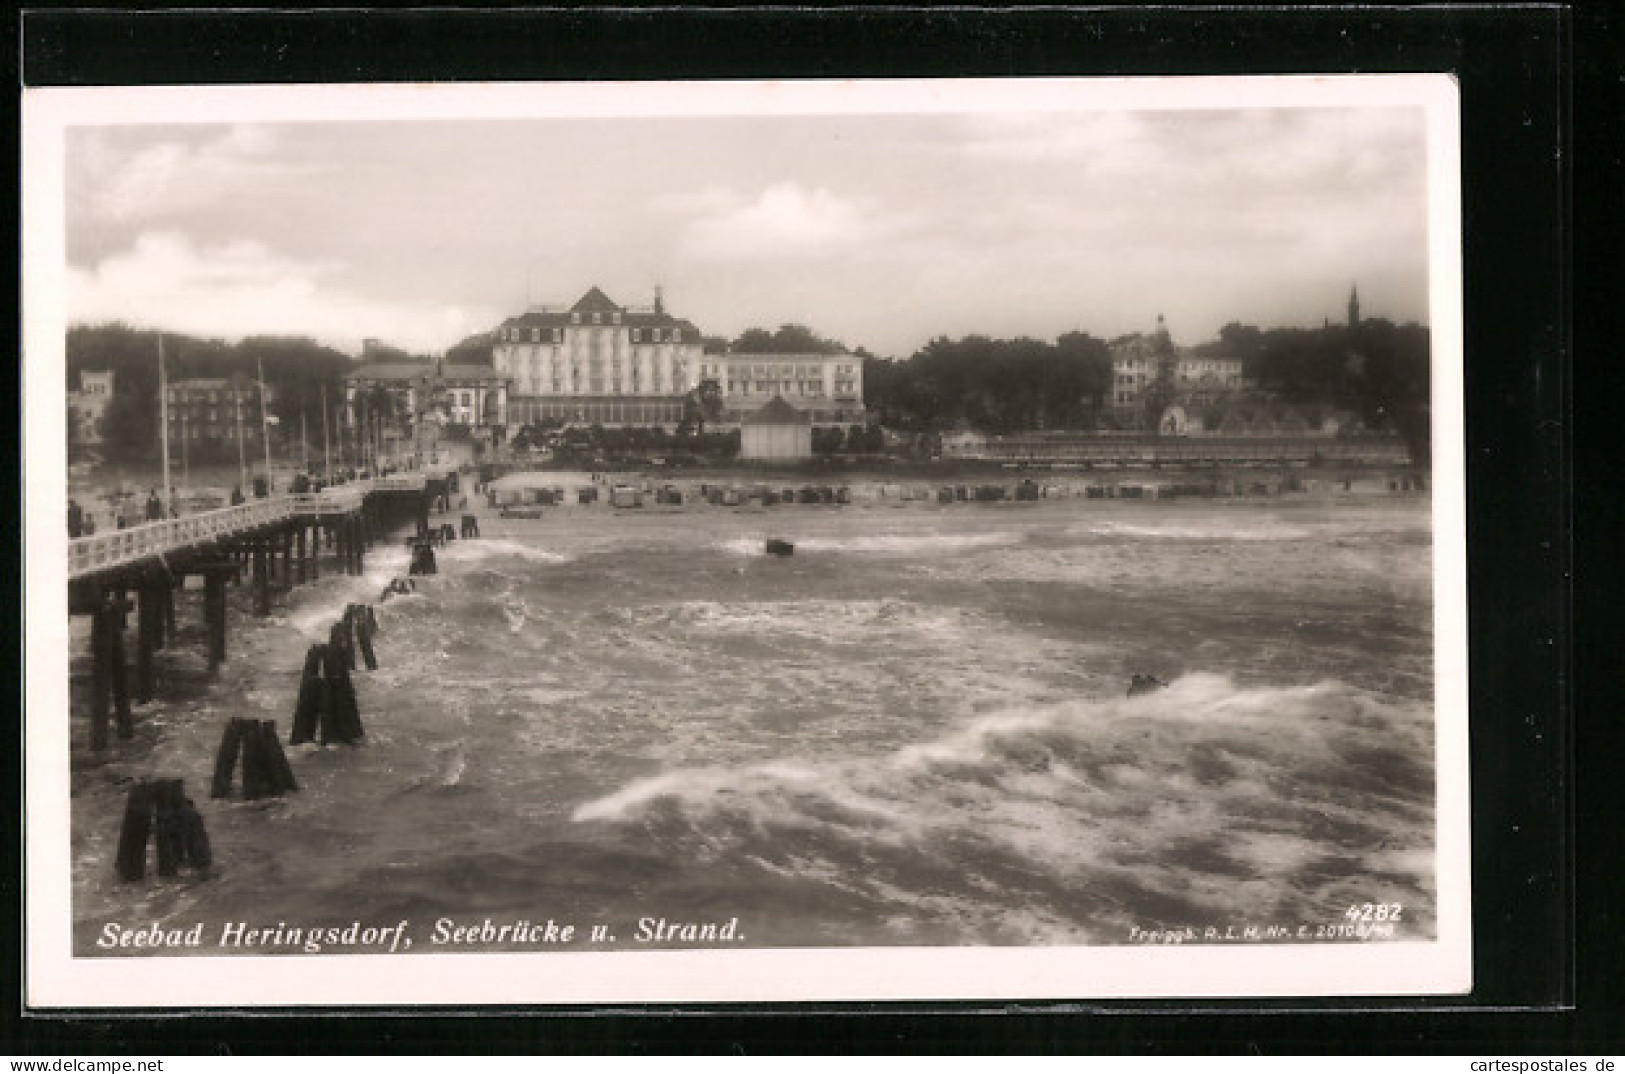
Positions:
{"x": 116, "y": 548}
{"x": 101, "y": 551}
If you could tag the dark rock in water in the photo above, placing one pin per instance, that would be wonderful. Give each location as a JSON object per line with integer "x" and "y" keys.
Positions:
{"x": 1144, "y": 684}
{"x": 777, "y": 547}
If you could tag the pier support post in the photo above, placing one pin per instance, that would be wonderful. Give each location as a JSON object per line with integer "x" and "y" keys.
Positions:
{"x": 101, "y": 676}
{"x": 118, "y": 667}
{"x": 262, "y": 581}
{"x": 284, "y": 543}
{"x": 214, "y": 617}
{"x": 361, "y": 544}
{"x": 146, "y": 634}
{"x": 315, "y": 550}
{"x": 167, "y": 635}
{"x": 299, "y": 557}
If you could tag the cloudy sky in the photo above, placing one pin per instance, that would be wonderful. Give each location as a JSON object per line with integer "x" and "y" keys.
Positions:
{"x": 879, "y": 230}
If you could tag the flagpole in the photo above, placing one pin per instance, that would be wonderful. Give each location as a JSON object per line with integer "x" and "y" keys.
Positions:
{"x": 265, "y": 422}
{"x": 242, "y": 452}
{"x": 327, "y": 457}
{"x": 186, "y": 462}
{"x": 163, "y": 419}
{"x": 304, "y": 441}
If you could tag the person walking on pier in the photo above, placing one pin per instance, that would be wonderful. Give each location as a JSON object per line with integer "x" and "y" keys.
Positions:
{"x": 76, "y": 519}
{"x": 236, "y": 495}
{"x": 155, "y": 507}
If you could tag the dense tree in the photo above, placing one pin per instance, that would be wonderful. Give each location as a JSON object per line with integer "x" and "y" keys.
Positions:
{"x": 296, "y": 370}
{"x": 992, "y": 384}
{"x": 475, "y": 350}
{"x": 789, "y": 339}
{"x": 702, "y": 404}
{"x": 1377, "y": 369}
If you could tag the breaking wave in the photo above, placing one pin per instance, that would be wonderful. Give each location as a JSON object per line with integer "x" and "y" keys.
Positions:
{"x": 1202, "y": 802}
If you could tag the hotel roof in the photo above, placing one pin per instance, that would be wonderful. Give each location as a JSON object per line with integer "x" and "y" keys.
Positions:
{"x": 777, "y": 412}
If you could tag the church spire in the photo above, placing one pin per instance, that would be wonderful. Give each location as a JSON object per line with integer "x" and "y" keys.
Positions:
{"x": 1354, "y": 306}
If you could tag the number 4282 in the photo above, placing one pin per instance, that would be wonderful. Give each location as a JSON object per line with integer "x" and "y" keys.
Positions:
{"x": 1374, "y": 911}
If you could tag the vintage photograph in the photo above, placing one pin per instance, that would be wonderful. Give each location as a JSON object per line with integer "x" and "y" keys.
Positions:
{"x": 732, "y": 542}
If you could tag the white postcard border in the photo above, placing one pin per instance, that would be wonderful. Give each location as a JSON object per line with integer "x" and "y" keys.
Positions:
{"x": 56, "y": 979}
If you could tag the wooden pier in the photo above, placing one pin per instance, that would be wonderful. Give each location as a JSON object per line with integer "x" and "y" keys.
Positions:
{"x": 278, "y": 542}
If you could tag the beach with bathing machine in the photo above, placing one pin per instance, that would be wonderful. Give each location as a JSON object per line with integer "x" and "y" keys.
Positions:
{"x": 611, "y": 718}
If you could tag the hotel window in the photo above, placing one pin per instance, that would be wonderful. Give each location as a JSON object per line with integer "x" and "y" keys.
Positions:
{"x": 616, "y": 317}
{"x": 575, "y": 318}
{"x": 597, "y": 318}
{"x": 535, "y": 335}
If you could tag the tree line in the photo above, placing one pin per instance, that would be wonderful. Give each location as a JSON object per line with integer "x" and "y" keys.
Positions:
{"x": 1378, "y": 370}
{"x": 297, "y": 370}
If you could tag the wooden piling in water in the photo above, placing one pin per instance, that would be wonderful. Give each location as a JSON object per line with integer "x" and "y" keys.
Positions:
{"x": 195, "y": 838}
{"x": 341, "y": 720}
{"x": 101, "y": 675}
{"x": 118, "y": 668}
{"x": 362, "y": 625}
{"x": 131, "y": 860}
{"x": 259, "y": 779}
{"x": 145, "y": 641}
{"x": 169, "y": 832}
{"x": 214, "y": 617}
{"x": 284, "y": 538}
{"x": 312, "y": 702}
{"x": 281, "y": 771}
{"x": 262, "y": 580}
{"x": 342, "y": 638}
{"x": 299, "y": 541}
{"x": 170, "y": 582}
{"x": 225, "y": 759}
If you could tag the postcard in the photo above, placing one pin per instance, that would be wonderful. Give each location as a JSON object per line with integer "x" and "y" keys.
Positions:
{"x": 987, "y": 539}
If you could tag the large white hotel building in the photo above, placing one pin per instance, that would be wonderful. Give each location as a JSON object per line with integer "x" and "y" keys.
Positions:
{"x": 600, "y": 362}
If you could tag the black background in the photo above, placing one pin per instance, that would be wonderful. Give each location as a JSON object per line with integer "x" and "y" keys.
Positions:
{"x": 1541, "y": 96}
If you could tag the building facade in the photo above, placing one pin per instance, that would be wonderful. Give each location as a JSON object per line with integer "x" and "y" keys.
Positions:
{"x": 1141, "y": 360}
{"x": 598, "y": 362}
{"x": 215, "y": 413}
{"x": 410, "y": 404}
{"x": 828, "y": 388}
{"x": 88, "y": 405}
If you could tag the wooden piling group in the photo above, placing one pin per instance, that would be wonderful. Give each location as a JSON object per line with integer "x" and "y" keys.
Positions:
{"x": 326, "y": 709}
{"x": 158, "y": 811}
{"x": 266, "y": 772}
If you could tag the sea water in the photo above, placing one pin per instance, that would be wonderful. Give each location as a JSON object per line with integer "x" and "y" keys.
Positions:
{"x": 915, "y": 730}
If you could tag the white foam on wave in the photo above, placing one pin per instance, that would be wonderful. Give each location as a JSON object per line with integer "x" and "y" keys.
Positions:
{"x": 315, "y": 618}
{"x": 1206, "y": 791}
{"x": 889, "y": 543}
{"x": 1227, "y": 533}
{"x": 480, "y": 549}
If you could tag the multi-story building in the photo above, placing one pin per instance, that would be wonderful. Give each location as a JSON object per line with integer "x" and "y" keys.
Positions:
{"x": 828, "y": 388}
{"x": 407, "y": 404}
{"x": 1141, "y": 360}
{"x": 87, "y": 406}
{"x": 598, "y": 362}
{"x": 214, "y": 412}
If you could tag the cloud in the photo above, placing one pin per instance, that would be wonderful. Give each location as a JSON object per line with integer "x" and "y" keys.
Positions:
{"x": 784, "y": 219}
{"x": 241, "y": 288}
{"x": 177, "y": 175}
